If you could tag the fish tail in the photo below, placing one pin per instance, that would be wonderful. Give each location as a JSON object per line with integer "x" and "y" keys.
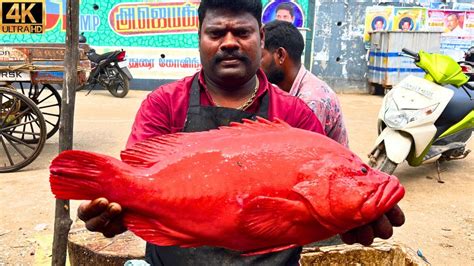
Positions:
{"x": 81, "y": 175}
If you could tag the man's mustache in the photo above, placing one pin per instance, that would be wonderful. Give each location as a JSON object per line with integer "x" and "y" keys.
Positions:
{"x": 228, "y": 56}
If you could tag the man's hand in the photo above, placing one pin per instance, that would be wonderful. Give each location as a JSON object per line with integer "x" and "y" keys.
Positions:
{"x": 102, "y": 216}
{"x": 382, "y": 228}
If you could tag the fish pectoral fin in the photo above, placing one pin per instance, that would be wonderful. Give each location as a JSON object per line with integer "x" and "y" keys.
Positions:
{"x": 153, "y": 231}
{"x": 268, "y": 217}
{"x": 320, "y": 207}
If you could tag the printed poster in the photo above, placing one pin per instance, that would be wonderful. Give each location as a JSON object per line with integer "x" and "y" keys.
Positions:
{"x": 160, "y": 37}
{"x": 469, "y": 23}
{"x": 408, "y": 19}
{"x": 377, "y": 18}
{"x": 450, "y": 22}
{"x": 285, "y": 10}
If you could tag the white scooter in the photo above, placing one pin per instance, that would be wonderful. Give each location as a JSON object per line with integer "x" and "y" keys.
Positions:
{"x": 425, "y": 120}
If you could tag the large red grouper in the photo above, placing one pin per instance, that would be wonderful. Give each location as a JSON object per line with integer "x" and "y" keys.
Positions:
{"x": 255, "y": 187}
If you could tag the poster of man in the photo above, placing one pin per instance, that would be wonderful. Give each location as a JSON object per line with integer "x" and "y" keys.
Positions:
{"x": 408, "y": 18}
{"x": 450, "y": 22}
{"x": 285, "y": 10}
{"x": 379, "y": 23}
{"x": 454, "y": 24}
{"x": 377, "y": 18}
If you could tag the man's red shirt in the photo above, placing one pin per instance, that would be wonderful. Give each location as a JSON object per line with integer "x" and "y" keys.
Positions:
{"x": 164, "y": 110}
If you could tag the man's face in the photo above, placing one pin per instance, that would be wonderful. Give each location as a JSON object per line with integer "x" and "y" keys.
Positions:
{"x": 379, "y": 25}
{"x": 284, "y": 15}
{"x": 406, "y": 25}
{"x": 452, "y": 22}
{"x": 230, "y": 46}
{"x": 275, "y": 74}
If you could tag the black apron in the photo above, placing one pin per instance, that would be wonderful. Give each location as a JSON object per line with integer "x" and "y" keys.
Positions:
{"x": 203, "y": 118}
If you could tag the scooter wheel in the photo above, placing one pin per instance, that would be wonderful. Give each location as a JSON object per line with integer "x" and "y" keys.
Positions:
{"x": 380, "y": 161}
{"x": 387, "y": 166}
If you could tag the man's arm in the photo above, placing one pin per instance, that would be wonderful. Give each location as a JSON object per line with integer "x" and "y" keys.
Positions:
{"x": 152, "y": 118}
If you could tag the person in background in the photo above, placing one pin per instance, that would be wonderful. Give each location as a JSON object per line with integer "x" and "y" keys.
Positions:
{"x": 285, "y": 12}
{"x": 229, "y": 87}
{"x": 281, "y": 62}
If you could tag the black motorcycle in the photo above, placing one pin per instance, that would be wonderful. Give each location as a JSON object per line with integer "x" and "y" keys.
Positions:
{"x": 107, "y": 72}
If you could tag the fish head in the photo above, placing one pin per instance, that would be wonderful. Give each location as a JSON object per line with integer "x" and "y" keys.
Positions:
{"x": 347, "y": 194}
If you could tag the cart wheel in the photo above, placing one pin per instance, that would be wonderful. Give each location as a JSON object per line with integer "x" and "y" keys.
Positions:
{"x": 48, "y": 100}
{"x": 20, "y": 119}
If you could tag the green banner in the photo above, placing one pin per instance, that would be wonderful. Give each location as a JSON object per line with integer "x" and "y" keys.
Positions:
{"x": 160, "y": 37}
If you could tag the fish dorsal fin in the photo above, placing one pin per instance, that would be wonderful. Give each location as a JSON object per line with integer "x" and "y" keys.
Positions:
{"x": 148, "y": 152}
{"x": 151, "y": 151}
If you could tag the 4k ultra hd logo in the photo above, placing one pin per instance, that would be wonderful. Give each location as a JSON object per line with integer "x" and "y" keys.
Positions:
{"x": 22, "y": 16}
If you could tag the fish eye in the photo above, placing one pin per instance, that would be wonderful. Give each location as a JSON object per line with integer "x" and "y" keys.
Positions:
{"x": 364, "y": 170}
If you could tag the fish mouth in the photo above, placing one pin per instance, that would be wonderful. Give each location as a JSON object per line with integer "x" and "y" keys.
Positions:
{"x": 385, "y": 198}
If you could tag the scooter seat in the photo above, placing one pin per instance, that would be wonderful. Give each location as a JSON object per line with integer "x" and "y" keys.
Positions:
{"x": 96, "y": 58}
{"x": 460, "y": 105}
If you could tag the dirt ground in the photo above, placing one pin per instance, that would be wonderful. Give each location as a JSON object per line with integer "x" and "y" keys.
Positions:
{"x": 440, "y": 217}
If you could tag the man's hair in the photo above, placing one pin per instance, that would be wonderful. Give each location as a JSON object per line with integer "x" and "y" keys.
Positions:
{"x": 286, "y": 6}
{"x": 453, "y": 15}
{"x": 284, "y": 34}
{"x": 405, "y": 19}
{"x": 253, "y": 7}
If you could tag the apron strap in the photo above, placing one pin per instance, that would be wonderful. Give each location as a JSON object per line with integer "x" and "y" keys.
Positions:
{"x": 263, "y": 109}
{"x": 195, "y": 97}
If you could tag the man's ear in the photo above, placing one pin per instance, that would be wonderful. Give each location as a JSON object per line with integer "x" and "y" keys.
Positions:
{"x": 282, "y": 55}
{"x": 262, "y": 38}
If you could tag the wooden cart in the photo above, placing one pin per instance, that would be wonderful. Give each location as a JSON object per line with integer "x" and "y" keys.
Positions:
{"x": 30, "y": 104}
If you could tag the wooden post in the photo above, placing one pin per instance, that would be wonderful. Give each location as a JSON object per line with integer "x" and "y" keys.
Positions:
{"x": 62, "y": 221}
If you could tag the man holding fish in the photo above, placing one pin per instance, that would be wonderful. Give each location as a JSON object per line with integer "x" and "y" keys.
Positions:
{"x": 230, "y": 87}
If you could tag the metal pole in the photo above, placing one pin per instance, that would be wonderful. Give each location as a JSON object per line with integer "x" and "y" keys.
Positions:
{"x": 62, "y": 222}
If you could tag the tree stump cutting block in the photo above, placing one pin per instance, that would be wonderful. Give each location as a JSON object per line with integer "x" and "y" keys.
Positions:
{"x": 89, "y": 248}
{"x": 379, "y": 253}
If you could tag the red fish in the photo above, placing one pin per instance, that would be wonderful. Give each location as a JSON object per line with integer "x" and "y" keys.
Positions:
{"x": 255, "y": 187}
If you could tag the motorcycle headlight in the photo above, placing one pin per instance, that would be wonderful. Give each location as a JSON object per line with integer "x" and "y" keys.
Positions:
{"x": 396, "y": 117}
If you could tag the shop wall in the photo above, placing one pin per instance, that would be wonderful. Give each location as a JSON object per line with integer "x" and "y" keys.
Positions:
{"x": 160, "y": 37}
{"x": 339, "y": 53}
